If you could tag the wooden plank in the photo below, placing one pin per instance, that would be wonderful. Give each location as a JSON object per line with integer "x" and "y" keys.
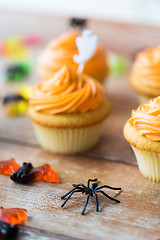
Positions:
{"x": 31, "y": 233}
{"x": 136, "y": 217}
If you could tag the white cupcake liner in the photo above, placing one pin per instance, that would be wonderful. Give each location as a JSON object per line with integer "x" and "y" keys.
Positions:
{"x": 148, "y": 163}
{"x": 67, "y": 140}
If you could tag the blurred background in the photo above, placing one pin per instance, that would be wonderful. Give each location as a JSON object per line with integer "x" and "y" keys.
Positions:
{"x": 124, "y": 27}
{"x": 134, "y": 11}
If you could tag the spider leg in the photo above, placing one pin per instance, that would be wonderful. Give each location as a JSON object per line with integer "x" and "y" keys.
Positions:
{"x": 85, "y": 205}
{"x": 105, "y": 194}
{"x": 91, "y": 180}
{"x": 96, "y": 199}
{"x": 69, "y": 197}
{"x": 106, "y": 186}
{"x": 79, "y": 185}
{"x": 70, "y": 192}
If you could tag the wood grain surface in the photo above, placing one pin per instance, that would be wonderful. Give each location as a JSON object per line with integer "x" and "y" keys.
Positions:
{"x": 111, "y": 161}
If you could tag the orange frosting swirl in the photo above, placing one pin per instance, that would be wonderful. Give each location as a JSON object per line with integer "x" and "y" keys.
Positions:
{"x": 146, "y": 68}
{"x": 67, "y": 92}
{"x": 146, "y": 119}
{"x": 60, "y": 52}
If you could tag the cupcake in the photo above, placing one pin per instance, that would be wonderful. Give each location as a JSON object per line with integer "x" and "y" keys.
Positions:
{"x": 142, "y": 131}
{"x": 145, "y": 74}
{"x": 67, "y": 111}
{"x": 60, "y": 52}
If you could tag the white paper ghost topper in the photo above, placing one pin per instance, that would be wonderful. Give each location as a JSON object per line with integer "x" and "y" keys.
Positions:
{"x": 86, "y": 45}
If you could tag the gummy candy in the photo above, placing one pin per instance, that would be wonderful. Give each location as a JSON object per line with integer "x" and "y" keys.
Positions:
{"x": 32, "y": 40}
{"x": 118, "y": 65}
{"x": 27, "y": 173}
{"x": 16, "y": 52}
{"x": 7, "y": 231}
{"x": 16, "y": 46}
{"x": 12, "y": 98}
{"x": 45, "y": 173}
{"x": 25, "y": 91}
{"x": 17, "y": 72}
{"x": 17, "y": 104}
{"x": 21, "y": 53}
{"x": 23, "y": 175}
{"x": 78, "y": 22}
{"x": 10, "y": 45}
{"x": 8, "y": 220}
{"x": 13, "y": 215}
{"x": 13, "y": 47}
{"x": 16, "y": 108}
{"x": 8, "y": 167}
{"x": 12, "y": 41}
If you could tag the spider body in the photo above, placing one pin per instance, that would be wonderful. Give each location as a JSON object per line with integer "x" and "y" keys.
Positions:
{"x": 90, "y": 191}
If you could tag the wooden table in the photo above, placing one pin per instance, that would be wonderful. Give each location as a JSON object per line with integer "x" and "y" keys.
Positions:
{"x": 112, "y": 161}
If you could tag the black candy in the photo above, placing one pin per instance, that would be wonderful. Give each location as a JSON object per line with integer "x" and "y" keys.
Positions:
{"x": 22, "y": 175}
{"x": 78, "y": 22}
{"x": 7, "y": 231}
{"x": 12, "y": 98}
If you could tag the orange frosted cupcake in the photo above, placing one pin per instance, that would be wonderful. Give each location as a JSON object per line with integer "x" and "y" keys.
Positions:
{"x": 145, "y": 75}
{"x": 60, "y": 52}
{"x": 67, "y": 110}
{"x": 142, "y": 131}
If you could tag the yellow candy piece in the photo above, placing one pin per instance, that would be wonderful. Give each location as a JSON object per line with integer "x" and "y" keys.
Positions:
{"x": 19, "y": 53}
{"x": 13, "y": 42}
{"x": 25, "y": 91}
{"x": 13, "y": 47}
{"x": 22, "y": 107}
{"x": 16, "y": 108}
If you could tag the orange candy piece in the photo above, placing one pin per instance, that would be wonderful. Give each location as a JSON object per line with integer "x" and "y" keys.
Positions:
{"x": 45, "y": 173}
{"x": 13, "y": 215}
{"x": 8, "y": 167}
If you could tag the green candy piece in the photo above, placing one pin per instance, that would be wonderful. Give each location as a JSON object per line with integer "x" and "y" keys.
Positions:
{"x": 18, "y": 72}
{"x": 118, "y": 65}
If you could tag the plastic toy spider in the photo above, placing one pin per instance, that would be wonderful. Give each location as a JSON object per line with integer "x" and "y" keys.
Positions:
{"x": 90, "y": 191}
